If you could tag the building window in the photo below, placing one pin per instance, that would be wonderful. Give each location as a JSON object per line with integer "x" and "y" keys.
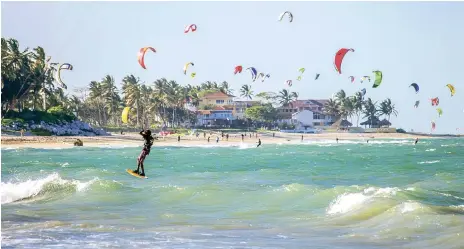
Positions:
{"x": 318, "y": 116}
{"x": 219, "y": 101}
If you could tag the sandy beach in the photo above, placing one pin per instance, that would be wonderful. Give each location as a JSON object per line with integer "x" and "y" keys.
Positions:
{"x": 134, "y": 140}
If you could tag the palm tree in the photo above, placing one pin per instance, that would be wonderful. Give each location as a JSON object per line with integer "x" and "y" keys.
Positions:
{"x": 332, "y": 108}
{"x": 97, "y": 98}
{"x": 370, "y": 110}
{"x": 347, "y": 107}
{"x": 111, "y": 97}
{"x": 286, "y": 98}
{"x": 246, "y": 92}
{"x": 387, "y": 108}
{"x": 357, "y": 105}
{"x": 225, "y": 88}
{"x": 340, "y": 97}
{"x": 131, "y": 91}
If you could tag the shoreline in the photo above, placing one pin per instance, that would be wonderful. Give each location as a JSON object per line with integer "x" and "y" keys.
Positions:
{"x": 134, "y": 139}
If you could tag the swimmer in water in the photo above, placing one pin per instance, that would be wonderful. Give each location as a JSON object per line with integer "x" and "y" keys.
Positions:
{"x": 417, "y": 140}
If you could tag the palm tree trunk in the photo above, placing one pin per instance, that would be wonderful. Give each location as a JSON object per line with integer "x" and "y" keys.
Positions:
{"x": 44, "y": 101}
{"x": 137, "y": 106}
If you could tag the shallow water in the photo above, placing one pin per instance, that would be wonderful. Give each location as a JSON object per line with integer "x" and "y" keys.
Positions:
{"x": 319, "y": 194}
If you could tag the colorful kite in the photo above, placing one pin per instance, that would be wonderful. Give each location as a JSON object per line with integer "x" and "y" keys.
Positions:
{"x": 451, "y": 88}
{"x": 416, "y": 87}
{"x": 290, "y": 16}
{"x": 141, "y": 55}
{"x": 378, "y": 79}
{"x": 191, "y": 28}
{"x": 64, "y": 66}
{"x": 339, "y": 58}
{"x": 238, "y": 69}
{"x": 187, "y": 65}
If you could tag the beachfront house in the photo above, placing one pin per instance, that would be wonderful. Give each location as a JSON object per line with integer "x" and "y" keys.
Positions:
{"x": 219, "y": 116}
{"x": 294, "y": 113}
{"x": 216, "y": 99}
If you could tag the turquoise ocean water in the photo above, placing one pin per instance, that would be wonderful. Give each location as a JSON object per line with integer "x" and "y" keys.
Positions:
{"x": 319, "y": 194}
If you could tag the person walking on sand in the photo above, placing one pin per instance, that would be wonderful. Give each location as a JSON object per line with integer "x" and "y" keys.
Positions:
{"x": 301, "y": 138}
{"x": 259, "y": 142}
{"x": 217, "y": 139}
{"x": 204, "y": 134}
{"x": 243, "y": 137}
{"x": 178, "y": 138}
{"x": 208, "y": 138}
{"x": 273, "y": 134}
{"x": 227, "y": 137}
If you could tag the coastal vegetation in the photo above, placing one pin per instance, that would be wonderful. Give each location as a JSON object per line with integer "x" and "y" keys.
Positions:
{"x": 30, "y": 91}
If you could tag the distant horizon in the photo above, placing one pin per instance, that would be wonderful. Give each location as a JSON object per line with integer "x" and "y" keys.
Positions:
{"x": 408, "y": 41}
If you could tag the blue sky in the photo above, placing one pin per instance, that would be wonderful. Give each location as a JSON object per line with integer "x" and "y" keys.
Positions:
{"x": 409, "y": 42}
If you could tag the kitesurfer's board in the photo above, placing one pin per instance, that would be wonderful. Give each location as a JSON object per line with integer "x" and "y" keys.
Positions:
{"x": 134, "y": 174}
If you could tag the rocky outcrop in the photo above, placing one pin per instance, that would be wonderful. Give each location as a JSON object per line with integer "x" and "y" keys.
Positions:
{"x": 74, "y": 128}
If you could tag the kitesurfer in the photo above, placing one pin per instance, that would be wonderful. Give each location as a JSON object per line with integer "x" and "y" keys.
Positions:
{"x": 148, "y": 142}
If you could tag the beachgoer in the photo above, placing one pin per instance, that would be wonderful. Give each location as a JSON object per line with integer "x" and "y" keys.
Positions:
{"x": 302, "y": 138}
{"x": 148, "y": 142}
{"x": 78, "y": 142}
{"x": 337, "y": 140}
{"x": 204, "y": 134}
{"x": 256, "y": 135}
{"x": 242, "y": 137}
{"x": 417, "y": 140}
{"x": 367, "y": 140}
{"x": 217, "y": 139}
{"x": 250, "y": 135}
{"x": 208, "y": 138}
{"x": 227, "y": 137}
{"x": 259, "y": 142}
{"x": 273, "y": 134}
{"x": 178, "y": 138}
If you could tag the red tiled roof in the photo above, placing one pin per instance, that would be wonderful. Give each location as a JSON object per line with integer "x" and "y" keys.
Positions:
{"x": 217, "y": 95}
{"x": 203, "y": 112}
{"x": 219, "y": 108}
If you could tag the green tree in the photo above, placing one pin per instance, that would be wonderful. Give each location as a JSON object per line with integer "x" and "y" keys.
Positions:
{"x": 387, "y": 108}
{"x": 246, "y": 92}
{"x": 262, "y": 113}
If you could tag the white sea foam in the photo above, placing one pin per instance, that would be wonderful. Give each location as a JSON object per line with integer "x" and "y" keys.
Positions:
{"x": 13, "y": 191}
{"x": 429, "y": 162}
{"x": 410, "y": 207}
{"x": 364, "y": 141}
{"x": 348, "y": 202}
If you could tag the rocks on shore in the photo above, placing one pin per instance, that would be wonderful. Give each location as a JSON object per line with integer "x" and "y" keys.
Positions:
{"x": 74, "y": 128}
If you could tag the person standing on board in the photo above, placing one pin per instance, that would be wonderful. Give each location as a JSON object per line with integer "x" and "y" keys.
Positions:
{"x": 146, "y": 134}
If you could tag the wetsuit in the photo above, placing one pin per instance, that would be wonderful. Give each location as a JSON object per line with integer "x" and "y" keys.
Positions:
{"x": 145, "y": 151}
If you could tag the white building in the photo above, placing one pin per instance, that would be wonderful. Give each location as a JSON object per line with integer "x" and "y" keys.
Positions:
{"x": 314, "y": 107}
{"x": 303, "y": 119}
